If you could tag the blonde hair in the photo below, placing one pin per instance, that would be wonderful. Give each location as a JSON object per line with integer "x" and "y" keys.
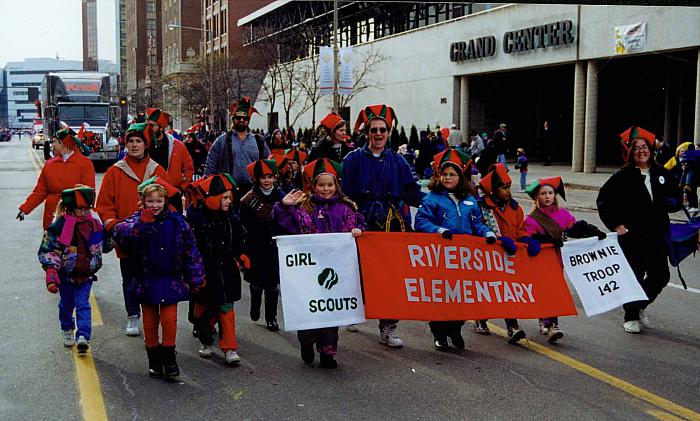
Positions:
{"x": 61, "y": 208}
{"x": 305, "y": 200}
{"x": 151, "y": 188}
{"x": 536, "y": 202}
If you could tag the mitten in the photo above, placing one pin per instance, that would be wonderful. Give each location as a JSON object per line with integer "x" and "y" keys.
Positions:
{"x": 491, "y": 239}
{"x": 446, "y": 234}
{"x": 533, "y": 246}
{"x": 21, "y": 215}
{"x": 148, "y": 216}
{"x": 245, "y": 261}
{"x": 601, "y": 235}
{"x": 508, "y": 245}
{"x": 52, "y": 280}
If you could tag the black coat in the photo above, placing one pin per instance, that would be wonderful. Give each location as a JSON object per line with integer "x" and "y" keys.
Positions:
{"x": 219, "y": 238}
{"x": 256, "y": 217}
{"x": 624, "y": 200}
{"x": 325, "y": 149}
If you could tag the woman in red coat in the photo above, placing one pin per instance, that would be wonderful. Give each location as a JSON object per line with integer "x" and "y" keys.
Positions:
{"x": 68, "y": 168}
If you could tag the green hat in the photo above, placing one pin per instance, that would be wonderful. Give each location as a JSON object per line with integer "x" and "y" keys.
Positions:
{"x": 78, "y": 197}
{"x": 70, "y": 139}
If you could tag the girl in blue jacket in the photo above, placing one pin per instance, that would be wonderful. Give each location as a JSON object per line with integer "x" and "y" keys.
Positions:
{"x": 451, "y": 208}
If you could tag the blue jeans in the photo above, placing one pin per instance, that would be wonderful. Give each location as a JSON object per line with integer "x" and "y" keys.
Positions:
{"x": 132, "y": 307}
{"x": 523, "y": 180}
{"x": 75, "y": 297}
{"x": 501, "y": 158}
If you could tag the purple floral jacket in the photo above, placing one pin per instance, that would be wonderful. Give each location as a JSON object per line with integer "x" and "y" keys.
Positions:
{"x": 329, "y": 215}
{"x": 165, "y": 264}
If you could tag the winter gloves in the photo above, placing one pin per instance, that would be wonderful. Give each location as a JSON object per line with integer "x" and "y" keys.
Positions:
{"x": 533, "y": 246}
{"x": 245, "y": 261}
{"x": 52, "y": 280}
{"x": 490, "y": 239}
{"x": 508, "y": 245}
{"x": 447, "y": 234}
{"x": 20, "y": 216}
{"x": 148, "y": 216}
{"x": 582, "y": 229}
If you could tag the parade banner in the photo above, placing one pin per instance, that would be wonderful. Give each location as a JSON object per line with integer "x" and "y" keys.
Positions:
{"x": 325, "y": 69}
{"x": 412, "y": 276}
{"x": 630, "y": 38}
{"x": 319, "y": 281}
{"x": 600, "y": 273}
{"x": 345, "y": 82}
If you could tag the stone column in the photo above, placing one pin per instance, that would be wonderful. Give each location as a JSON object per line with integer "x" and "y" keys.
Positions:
{"x": 696, "y": 127}
{"x": 681, "y": 109}
{"x": 668, "y": 104}
{"x": 464, "y": 108}
{"x": 579, "y": 116}
{"x": 456, "y": 102}
{"x": 591, "y": 124}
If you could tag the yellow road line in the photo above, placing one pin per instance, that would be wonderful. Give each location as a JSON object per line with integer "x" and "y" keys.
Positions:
{"x": 96, "y": 315}
{"x": 91, "y": 400}
{"x": 663, "y": 416}
{"x": 635, "y": 391}
{"x": 31, "y": 157}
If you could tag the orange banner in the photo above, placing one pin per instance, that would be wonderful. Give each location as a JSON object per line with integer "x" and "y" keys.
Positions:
{"x": 416, "y": 276}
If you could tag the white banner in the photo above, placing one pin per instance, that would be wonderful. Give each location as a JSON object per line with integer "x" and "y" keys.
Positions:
{"x": 319, "y": 281}
{"x": 325, "y": 69}
{"x": 600, "y": 273}
{"x": 345, "y": 83}
{"x": 630, "y": 38}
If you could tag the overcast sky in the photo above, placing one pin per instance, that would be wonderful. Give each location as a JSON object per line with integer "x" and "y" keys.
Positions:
{"x": 47, "y": 28}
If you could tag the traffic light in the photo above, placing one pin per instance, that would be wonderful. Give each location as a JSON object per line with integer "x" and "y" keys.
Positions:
{"x": 122, "y": 101}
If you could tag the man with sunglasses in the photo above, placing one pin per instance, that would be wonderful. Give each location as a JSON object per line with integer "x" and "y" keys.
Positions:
{"x": 379, "y": 180}
{"x": 234, "y": 150}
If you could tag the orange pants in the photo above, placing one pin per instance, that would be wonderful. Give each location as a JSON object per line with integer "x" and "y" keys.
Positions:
{"x": 164, "y": 315}
{"x": 227, "y": 341}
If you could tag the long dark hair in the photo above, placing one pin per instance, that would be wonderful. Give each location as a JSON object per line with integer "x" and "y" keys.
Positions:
{"x": 464, "y": 188}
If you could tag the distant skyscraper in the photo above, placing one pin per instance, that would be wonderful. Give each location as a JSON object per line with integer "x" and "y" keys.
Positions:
{"x": 90, "y": 35}
{"x": 121, "y": 45}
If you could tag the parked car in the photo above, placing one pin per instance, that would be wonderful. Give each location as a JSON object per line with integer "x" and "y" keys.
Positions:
{"x": 38, "y": 140}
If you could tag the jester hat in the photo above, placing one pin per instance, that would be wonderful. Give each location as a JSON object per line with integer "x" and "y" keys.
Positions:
{"x": 173, "y": 193}
{"x": 281, "y": 161}
{"x": 78, "y": 197}
{"x": 70, "y": 139}
{"x": 141, "y": 130}
{"x": 495, "y": 178}
{"x": 630, "y": 135}
{"x": 158, "y": 116}
{"x": 295, "y": 155}
{"x": 243, "y": 108}
{"x": 262, "y": 167}
{"x": 210, "y": 189}
{"x": 331, "y": 121}
{"x": 451, "y": 157}
{"x": 371, "y": 112}
{"x": 320, "y": 166}
{"x": 554, "y": 182}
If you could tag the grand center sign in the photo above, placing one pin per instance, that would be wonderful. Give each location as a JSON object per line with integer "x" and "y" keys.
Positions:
{"x": 518, "y": 41}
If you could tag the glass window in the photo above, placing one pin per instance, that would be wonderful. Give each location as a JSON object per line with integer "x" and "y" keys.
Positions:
{"x": 151, "y": 6}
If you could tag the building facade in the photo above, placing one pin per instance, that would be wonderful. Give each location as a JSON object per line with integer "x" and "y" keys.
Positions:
{"x": 89, "y": 14}
{"x": 120, "y": 14}
{"x": 219, "y": 19}
{"x": 143, "y": 52}
{"x": 589, "y": 71}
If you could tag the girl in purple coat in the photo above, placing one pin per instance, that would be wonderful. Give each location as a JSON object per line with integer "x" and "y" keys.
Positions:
{"x": 167, "y": 268}
{"x": 321, "y": 209}
{"x": 550, "y": 223}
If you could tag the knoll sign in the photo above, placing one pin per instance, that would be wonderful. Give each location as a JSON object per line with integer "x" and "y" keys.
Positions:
{"x": 518, "y": 41}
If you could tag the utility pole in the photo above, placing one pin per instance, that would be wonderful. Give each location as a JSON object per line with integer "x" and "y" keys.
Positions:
{"x": 336, "y": 95}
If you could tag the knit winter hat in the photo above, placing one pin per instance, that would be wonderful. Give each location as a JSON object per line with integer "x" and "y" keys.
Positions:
{"x": 371, "y": 112}
{"x": 141, "y": 130}
{"x": 78, "y": 197}
{"x": 70, "y": 139}
{"x": 281, "y": 161}
{"x": 320, "y": 166}
{"x": 496, "y": 177}
{"x": 630, "y": 135}
{"x": 295, "y": 155}
{"x": 158, "y": 116}
{"x": 243, "y": 108}
{"x": 209, "y": 190}
{"x": 262, "y": 167}
{"x": 452, "y": 157}
{"x": 554, "y": 182}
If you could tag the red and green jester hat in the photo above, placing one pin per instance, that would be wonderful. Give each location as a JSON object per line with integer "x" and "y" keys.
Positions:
{"x": 631, "y": 134}
{"x": 174, "y": 194}
{"x": 262, "y": 167}
{"x": 459, "y": 160}
{"x": 371, "y": 112}
{"x": 160, "y": 117}
{"x": 318, "y": 167}
{"x": 296, "y": 155}
{"x": 208, "y": 190}
{"x": 554, "y": 182}
{"x": 243, "y": 108}
{"x": 70, "y": 139}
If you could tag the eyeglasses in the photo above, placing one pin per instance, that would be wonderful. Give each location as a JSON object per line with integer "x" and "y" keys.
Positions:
{"x": 240, "y": 118}
{"x": 640, "y": 148}
{"x": 381, "y": 130}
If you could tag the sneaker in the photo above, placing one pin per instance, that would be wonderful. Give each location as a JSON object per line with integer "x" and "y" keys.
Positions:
{"x": 133, "y": 326}
{"x": 352, "y": 328}
{"x": 481, "y": 328}
{"x": 231, "y": 357}
{"x": 68, "y": 338}
{"x": 205, "y": 351}
{"x": 388, "y": 337}
{"x": 643, "y": 318}
{"x": 515, "y": 335}
{"x": 632, "y": 326}
{"x": 544, "y": 329}
{"x": 83, "y": 345}
{"x": 273, "y": 326}
{"x": 554, "y": 334}
{"x": 441, "y": 344}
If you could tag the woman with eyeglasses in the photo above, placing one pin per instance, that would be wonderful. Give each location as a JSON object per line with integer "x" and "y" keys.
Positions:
{"x": 635, "y": 203}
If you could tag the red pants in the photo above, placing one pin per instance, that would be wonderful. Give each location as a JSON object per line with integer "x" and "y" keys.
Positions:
{"x": 227, "y": 341}
{"x": 164, "y": 315}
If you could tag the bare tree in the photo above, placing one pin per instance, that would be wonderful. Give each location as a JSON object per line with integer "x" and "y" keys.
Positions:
{"x": 292, "y": 94}
{"x": 309, "y": 79}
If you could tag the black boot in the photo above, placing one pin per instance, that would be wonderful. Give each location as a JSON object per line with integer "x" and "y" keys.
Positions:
{"x": 170, "y": 362}
{"x": 255, "y": 303}
{"x": 307, "y": 353}
{"x": 271, "y": 311}
{"x": 155, "y": 363}
{"x": 327, "y": 361}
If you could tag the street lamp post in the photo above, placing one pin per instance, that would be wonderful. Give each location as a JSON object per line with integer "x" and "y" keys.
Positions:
{"x": 336, "y": 94}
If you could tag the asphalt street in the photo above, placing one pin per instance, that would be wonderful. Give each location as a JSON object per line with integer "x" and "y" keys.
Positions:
{"x": 596, "y": 372}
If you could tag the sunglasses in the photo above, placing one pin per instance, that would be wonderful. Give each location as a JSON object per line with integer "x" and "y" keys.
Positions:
{"x": 240, "y": 118}
{"x": 375, "y": 130}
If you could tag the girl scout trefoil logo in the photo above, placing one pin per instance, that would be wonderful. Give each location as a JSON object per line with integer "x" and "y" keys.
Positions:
{"x": 327, "y": 278}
